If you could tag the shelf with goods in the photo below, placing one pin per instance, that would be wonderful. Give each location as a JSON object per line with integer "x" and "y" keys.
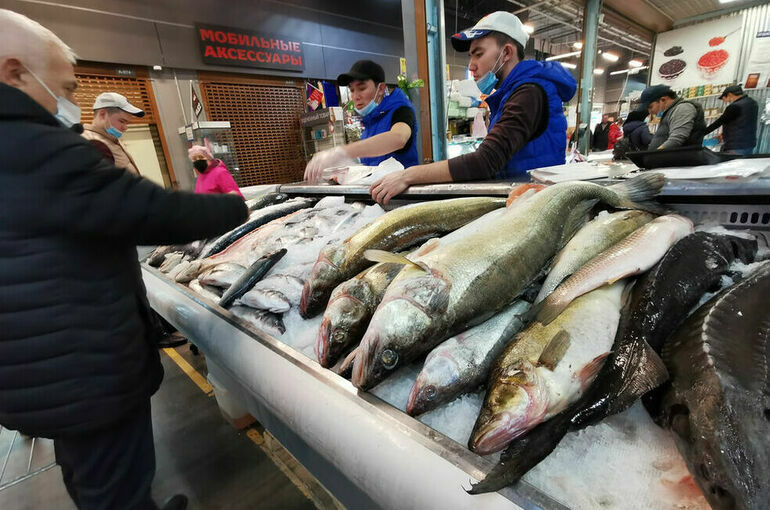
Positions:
{"x": 322, "y": 129}
{"x": 218, "y": 137}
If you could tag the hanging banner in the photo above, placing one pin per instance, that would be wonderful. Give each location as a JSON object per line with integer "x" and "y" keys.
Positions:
{"x": 758, "y": 66}
{"x": 703, "y": 54}
{"x": 197, "y": 107}
{"x": 228, "y": 46}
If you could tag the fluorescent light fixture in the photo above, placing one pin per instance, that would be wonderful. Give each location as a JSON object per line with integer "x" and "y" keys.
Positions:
{"x": 726, "y": 1}
{"x": 528, "y": 28}
{"x": 564, "y": 55}
{"x": 577, "y": 45}
{"x": 598, "y": 70}
{"x": 612, "y": 57}
{"x": 635, "y": 63}
{"x": 569, "y": 65}
{"x": 633, "y": 70}
{"x": 157, "y": 68}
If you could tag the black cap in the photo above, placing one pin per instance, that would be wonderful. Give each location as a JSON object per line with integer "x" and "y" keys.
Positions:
{"x": 653, "y": 93}
{"x": 732, "y": 89}
{"x": 363, "y": 70}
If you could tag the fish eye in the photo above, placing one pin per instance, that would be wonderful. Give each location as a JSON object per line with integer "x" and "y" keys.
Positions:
{"x": 339, "y": 335}
{"x": 430, "y": 392}
{"x": 389, "y": 359}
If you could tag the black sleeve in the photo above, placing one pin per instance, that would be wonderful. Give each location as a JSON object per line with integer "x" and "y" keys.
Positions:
{"x": 730, "y": 114}
{"x": 405, "y": 115}
{"x": 74, "y": 191}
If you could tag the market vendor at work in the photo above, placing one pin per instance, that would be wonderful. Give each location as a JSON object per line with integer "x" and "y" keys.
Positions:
{"x": 390, "y": 124}
{"x": 527, "y": 127}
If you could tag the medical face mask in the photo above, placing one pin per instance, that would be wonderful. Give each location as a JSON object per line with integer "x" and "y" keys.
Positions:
{"x": 200, "y": 165}
{"x": 67, "y": 112}
{"x": 488, "y": 82}
{"x": 112, "y": 130}
{"x": 366, "y": 110}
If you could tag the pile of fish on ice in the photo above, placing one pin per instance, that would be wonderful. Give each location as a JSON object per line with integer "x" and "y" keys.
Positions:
{"x": 563, "y": 321}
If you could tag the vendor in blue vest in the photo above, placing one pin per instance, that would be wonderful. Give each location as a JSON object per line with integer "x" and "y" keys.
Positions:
{"x": 390, "y": 125}
{"x": 527, "y": 127}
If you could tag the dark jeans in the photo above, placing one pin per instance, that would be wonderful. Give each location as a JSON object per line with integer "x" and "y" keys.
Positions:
{"x": 113, "y": 468}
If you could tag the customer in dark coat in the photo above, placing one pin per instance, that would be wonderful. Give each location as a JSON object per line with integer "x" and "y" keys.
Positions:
{"x": 636, "y": 131}
{"x": 601, "y": 139}
{"x": 78, "y": 357}
{"x": 738, "y": 122}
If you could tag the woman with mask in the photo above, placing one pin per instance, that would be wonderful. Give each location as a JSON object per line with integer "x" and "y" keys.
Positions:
{"x": 527, "y": 127}
{"x": 390, "y": 125}
{"x": 213, "y": 176}
{"x": 112, "y": 114}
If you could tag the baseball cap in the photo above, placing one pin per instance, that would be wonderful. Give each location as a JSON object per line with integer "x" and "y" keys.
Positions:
{"x": 732, "y": 89}
{"x": 653, "y": 93}
{"x": 499, "y": 21}
{"x": 115, "y": 100}
{"x": 363, "y": 70}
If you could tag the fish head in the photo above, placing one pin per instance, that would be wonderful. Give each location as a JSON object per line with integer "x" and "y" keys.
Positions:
{"x": 411, "y": 315}
{"x": 324, "y": 276}
{"x": 516, "y": 401}
{"x": 343, "y": 324}
{"x": 435, "y": 384}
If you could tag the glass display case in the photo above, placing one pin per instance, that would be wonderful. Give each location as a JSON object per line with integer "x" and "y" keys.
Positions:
{"x": 322, "y": 129}
{"x": 218, "y": 137}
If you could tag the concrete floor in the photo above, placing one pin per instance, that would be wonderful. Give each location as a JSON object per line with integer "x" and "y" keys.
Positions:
{"x": 198, "y": 454}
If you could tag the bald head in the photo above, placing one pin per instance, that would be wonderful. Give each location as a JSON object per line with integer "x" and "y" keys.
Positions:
{"x": 27, "y": 47}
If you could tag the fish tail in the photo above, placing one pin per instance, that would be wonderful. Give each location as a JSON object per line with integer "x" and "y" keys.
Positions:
{"x": 640, "y": 192}
{"x": 548, "y": 309}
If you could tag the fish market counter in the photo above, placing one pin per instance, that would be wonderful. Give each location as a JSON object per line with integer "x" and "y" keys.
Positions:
{"x": 366, "y": 452}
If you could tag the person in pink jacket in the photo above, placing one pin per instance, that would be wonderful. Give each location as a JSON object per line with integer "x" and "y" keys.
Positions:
{"x": 213, "y": 176}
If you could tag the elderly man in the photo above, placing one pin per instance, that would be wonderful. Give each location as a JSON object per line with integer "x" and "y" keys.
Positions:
{"x": 112, "y": 114}
{"x": 78, "y": 361}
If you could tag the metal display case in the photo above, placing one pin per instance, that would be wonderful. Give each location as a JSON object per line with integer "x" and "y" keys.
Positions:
{"x": 366, "y": 452}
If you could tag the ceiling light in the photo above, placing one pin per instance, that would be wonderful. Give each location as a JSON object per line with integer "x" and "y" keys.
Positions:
{"x": 564, "y": 55}
{"x": 157, "y": 68}
{"x": 726, "y": 1}
{"x": 598, "y": 70}
{"x": 612, "y": 57}
{"x": 633, "y": 70}
{"x": 569, "y": 65}
{"x": 635, "y": 63}
{"x": 577, "y": 45}
{"x": 528, "y": 28}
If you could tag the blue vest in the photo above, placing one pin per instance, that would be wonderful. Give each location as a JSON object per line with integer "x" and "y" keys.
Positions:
{"x": 548, "y": 148}
{"x": 379, "y": 122}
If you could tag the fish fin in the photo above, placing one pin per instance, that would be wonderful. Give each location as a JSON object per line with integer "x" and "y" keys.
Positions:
{"x": 531, "y": 315}
{"x": 429, "y": 246}
{"x": 639, "y": 192}
{"x": 554, "y": 351}
{"x": 384, "y": 256}
{"x": 575, "y": 220}
{"x": 589, "y": 372}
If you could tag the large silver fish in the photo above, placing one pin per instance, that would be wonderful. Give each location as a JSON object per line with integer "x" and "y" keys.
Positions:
{"x": 462, "y": 363}
{"x": 718, "y": 405}
{"x": 461, "y": 284}
{"x": 398, "y": 229}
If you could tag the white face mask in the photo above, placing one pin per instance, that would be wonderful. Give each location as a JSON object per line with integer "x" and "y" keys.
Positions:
{"x": 67, "y": 112}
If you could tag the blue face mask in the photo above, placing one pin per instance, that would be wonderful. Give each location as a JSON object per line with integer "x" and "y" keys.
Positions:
{"x": 366, "y": 110}
{"x": 659, "y": 114}
{"x": 114, "y": 132}
{"x": 488, "y": 82}
{"x": 67, "y": 112}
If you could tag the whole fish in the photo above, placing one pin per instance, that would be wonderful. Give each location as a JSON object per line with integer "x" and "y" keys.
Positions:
{"x": 462, "y": 363}
{"x": 631, "y": 370}
{"x": 546, "y": 368}
{"x": 158, "y": 255}
{"x": 461, "y": 284}
{"x": 599, "y": 234}
{"x": 174, "y": 271}
{"x": 271, "y": 300}
{"x": 204, "y": 291}
{"x": 259, "y": 218}
{"x": 635, "y": 254}
{"x": 266, "y": 199}
{"x": 394, "y": 231}
{"x": 170, "y": 261}
{"x": 350, "y": 307}
{"x": 718, "y": 406}
{"x": 287, "y": 284}
{"x": 222, "y": 275}
{"x": 251, "y": 276}
{"x": 267, "y": 322}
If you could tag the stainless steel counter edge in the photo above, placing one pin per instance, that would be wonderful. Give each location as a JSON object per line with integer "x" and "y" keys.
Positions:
{"x": 396, "y": 460}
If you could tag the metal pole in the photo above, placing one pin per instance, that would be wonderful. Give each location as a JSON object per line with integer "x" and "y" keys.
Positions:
{"x": 434, "y": 11}
{"x": 588, "y": 61}
{"x": 412, "y": 67}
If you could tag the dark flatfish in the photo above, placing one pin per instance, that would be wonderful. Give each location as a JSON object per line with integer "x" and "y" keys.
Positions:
{"x": 718, "y": 405}
{"x": 266, "y": 200}
{"x": 252, "y": 275}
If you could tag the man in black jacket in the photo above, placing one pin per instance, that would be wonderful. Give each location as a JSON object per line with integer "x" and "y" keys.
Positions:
{"x": 738, "y": 122}
{"x": 78, "y": 360}
{"x": 601, "y": 137}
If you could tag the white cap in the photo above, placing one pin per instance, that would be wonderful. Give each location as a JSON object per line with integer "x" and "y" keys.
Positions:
{"x": 115, "y": 100}
{"x": 500, "y": 21}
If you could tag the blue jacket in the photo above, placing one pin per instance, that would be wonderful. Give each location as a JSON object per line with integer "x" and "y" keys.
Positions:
{"x": 379, "y": 122}
{"x": 548, "y": 148}
{"x": 638, "y": 135}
